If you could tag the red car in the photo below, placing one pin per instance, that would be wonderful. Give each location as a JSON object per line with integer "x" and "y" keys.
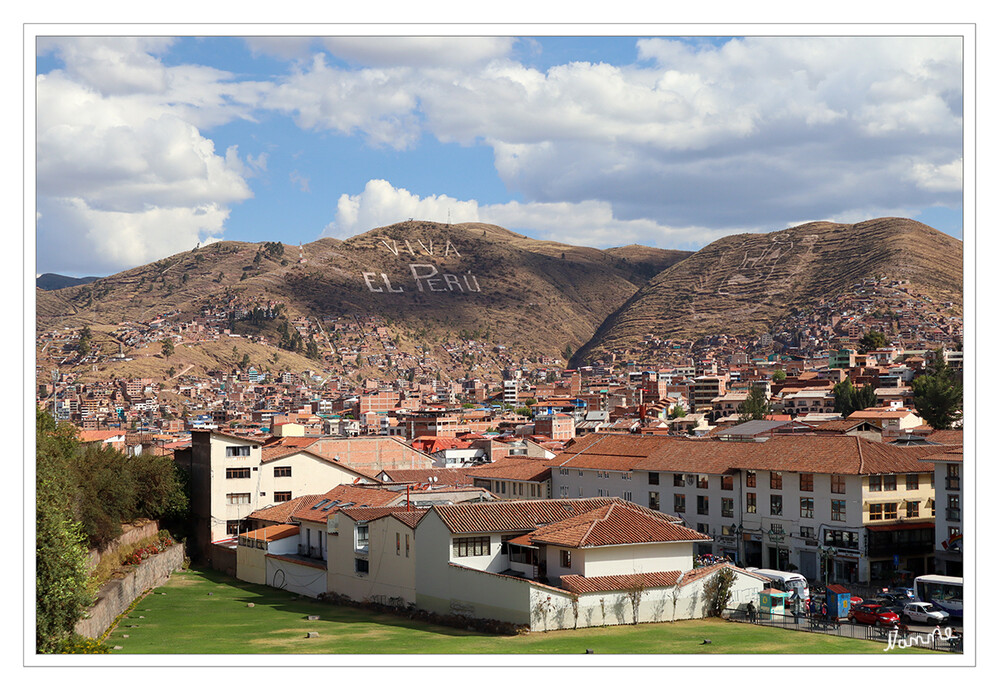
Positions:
{"x": 873, "y": 614}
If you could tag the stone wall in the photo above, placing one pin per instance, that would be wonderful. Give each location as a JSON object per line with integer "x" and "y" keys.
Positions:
{"x": 118, "y": 595}
{"x": 131, "y": 533}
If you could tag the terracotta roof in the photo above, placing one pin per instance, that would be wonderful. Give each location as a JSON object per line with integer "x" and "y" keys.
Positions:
{"x": 520, "y": 516}
{"x": 950, "y": 454}
{"x": 513, "y": 467}
{"x": 401, "y": 513}
{"x": 455, "y": 475}
{"x": 701, "y": 573}
{"x": 619, "y": 583}
{"x": 281, "y": 512}
{"x": 789, "y": 453}
{"x": 947, "y": 437}
{"x": 615, "y": 523}
{"x": 359, "y": 494}
{"x": 98, "y": 435}
{"x": 272, "y": 533}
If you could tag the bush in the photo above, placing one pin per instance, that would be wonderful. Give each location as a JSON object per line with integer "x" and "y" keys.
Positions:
{"x": 78, "y": 644}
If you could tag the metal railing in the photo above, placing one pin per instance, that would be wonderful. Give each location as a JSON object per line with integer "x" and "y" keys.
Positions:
{"x": 898, "y": 636}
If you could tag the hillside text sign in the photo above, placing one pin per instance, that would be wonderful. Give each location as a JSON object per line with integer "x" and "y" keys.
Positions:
{"x": 425, "y": 277}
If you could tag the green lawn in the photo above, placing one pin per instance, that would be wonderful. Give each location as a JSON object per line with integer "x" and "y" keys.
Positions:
{"x": 204, "y": 612}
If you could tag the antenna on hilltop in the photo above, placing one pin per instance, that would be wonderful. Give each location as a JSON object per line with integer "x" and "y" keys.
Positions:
{"x": 449, "y": 217}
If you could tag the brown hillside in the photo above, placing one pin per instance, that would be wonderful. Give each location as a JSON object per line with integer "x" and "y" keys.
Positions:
{"x": 743, "y": 284}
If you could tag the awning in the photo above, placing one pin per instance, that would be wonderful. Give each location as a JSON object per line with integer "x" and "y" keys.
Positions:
{"x": 901, "y": 526}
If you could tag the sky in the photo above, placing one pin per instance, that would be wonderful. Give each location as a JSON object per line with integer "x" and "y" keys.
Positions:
{"x": 146, "y": 147}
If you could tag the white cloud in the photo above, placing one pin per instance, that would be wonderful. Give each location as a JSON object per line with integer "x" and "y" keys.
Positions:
{"x": 123, "y": 175}
{"x": 418, "y": 51}
{"x": 589, "y": 223}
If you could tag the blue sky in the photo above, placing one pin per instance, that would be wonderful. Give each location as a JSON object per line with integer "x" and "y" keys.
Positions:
{"x": 147, "y": 146}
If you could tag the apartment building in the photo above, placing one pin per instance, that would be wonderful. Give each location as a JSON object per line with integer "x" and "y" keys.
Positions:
{"x": 835, "y": 505}
{"x": 948, "y": 478}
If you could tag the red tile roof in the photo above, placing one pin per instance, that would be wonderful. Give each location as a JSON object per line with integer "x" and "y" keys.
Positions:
{"x": 613, "y": 524}
{"x": 520, "y": 516}
{"x": 359, "y": 494}
{"x": 619, "y": 583}
{"x": 950, "y": 454}
{"x": 272, "y": 533}
{"x": 400, "y": 513}
{"x": 513, "y": 467}
{"x": 701, "y": 573}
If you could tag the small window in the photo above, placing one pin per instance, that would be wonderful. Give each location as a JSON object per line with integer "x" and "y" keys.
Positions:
{"x": 912, "y": 482}
{"x": 750, "y": 503}
{"x": 282, "y": 471}
{"x": 654, "y": 478}
{"x": 727, "y": 483}
{"x": 654, "y": 500}
{"x": 874, "y": 483}
{"x": 361, "y": 536}
{"x": 702, "y": 481}
{"x": 237, "y": 499}
{"x": 750, "y": 478}
{"x": 808, "y": 532}
{"x": 912, "y": 509}
{"x": 837, "y": 484}
{"x": 891, "y": 511}
{"x": 407, "y": 546}
{"x": 237, "y": 472}
{"x": 679, "y": 503}
{"x": 875, "y": 512}
{"x": 398, "y": 545}
{"x": 808, "y": 507}
{"x": 232, "y": 526}
{"x": 237, "y": 451}
{"x": 282, "y": 496}
{"x": 889, "y": 482}
{"x": 471, "y": 546}
{"x": 565, "y": 558}
{"x": 839, "y": 510}
{"x": 702, "y": 505}
{"x": 776, "y": 504}
{"x": 776, "y": 480}
{"x": 728, "y": 507}
{"x": 361, "y": 566}
{"x": 806, "y": 481}
{"x": 677, "y": 480}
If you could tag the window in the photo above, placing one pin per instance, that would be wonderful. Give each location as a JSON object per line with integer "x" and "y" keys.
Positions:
{"x": 679, "y": 503}
{"x": 702, "y": 481}
{"x": 237, "y": 472}
{"x": 654, "y": 500}
{"x": 806, "y": 481}
{"x": 627, "y": 496}
{"x": 237, "y": 499}
{"x": 837, "y": 484}
{"x": 891, "y": 511}
{"x": 839, "y": 510}
{"x": 232, "y": 526}
{"x": 727, "y": 531}
{"x": 282, "y": 471}
{"x": 626, "y": 475}
{"x": 911, "y": 509}
{"x": 727, "y": 483}
{"x": 912, "y": 482}
{"x": 933, "y": 507}
{"x": 808, "y": 532}
{"x": 776, "y": 504}
{"x": 953, "y": 507}
{"x": 654, "y": 478}
{"x": 601, "y": 493}
{"x": 563, "y": 471}
{"x": 471, "y": 546}
{"x": 808, "y": 507}
{"x": 874, "y": 483}
{"x": 776, "y": 528}
{"x": 953, "y": 477}
{"x": 361, "y": 566}
{"x": 841, "y": 539}
{"x": 565, "y": 558}
{"x": 702, "y": 505}
{"x": 727, "y": 507}
{"x": 889, "y": 482}
{"x": 282, "y": 496}
{"x": 875, "y": 512}
{"x": 776, "y": 480}
{"x": 398, "y": 544}
{"x": 677, "y": 480}
{"x": 953, "y": 531}
{"x": 407, "y": 546}
{"x": 703, "y": 528}
{"x": 237, "y": 451}
{"x": 361, "y": 536}
{"x": 563, "y": 492}
{"x": 502, "y": 487}
{"x": 750, "y": 503}
{"x": 750, "y": 478}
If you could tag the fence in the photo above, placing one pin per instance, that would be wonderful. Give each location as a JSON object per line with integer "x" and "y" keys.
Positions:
{"x": 900, "y": 637}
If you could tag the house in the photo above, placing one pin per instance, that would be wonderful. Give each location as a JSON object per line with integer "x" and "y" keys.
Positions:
{"x": 516, "y": 477}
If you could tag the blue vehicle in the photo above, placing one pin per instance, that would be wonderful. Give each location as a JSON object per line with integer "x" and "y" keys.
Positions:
{"x": 944, "y": 592}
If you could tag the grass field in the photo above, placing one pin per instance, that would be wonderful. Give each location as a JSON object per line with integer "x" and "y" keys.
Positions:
{"x": 204, "y": 612}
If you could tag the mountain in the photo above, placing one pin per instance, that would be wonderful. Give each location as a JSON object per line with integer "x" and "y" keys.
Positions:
{"x": 54, "y": 281}
{"x": 744, "y": 284}
{"x": 430, "y": 281}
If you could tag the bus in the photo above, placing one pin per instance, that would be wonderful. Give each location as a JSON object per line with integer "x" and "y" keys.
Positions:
{"x": 943, "y": 591}
{"x": 794, "y": 583}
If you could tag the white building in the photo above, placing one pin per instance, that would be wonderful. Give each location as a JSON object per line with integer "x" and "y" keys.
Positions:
{"x": 948, "y": 478}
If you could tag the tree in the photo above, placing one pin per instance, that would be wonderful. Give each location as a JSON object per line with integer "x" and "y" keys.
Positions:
{"x": 567, "y": 353}
{"x": 244, "y": 363}
{"x": 677, "y": 411}
{"x": 167, "y": 348}
{"x": 848, "y": 399}
{"x": 311, "y": 349}
{"x": 938, "y": 398}
{"x": 171, "y": 372}
{"x": 872, "y": 340}
{"x": 718, "y": 591}
{"x": 755, "y": 406}
{"x": 778, "y": 375}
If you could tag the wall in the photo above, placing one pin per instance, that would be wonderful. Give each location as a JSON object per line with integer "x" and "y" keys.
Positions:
{"x": 309, "y": 580}
{"x": 373, "y": 454}
{"x": 130, "y": 534}
{"x": 118, "y": 595}
{"x": 632, "y": 558}
{"x": 390, "y": 575}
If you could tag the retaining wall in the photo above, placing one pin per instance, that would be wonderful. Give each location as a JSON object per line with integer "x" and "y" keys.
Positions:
{"x": 118, "y": 595}
{"x": 131, "y": 533}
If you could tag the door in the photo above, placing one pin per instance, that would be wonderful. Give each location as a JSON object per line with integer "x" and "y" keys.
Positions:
{"x": 809, "y": 565}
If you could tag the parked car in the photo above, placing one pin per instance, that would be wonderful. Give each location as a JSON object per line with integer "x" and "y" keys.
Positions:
{"x": 923, "y": 612}
{"x": 873, "y": 614}
{"x": 889, "y": 603}
{"x": 902, "y": 593}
